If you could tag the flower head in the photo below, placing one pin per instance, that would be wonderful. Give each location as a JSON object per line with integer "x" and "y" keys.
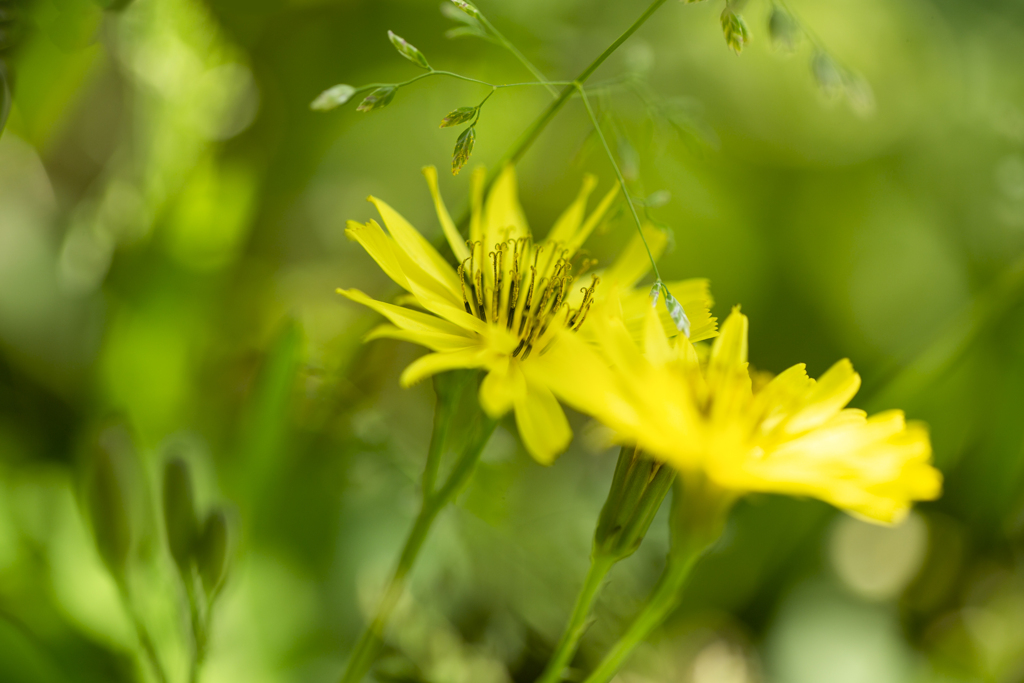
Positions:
{"x": 790, "y": 434}
{"x": 509, "y": 300}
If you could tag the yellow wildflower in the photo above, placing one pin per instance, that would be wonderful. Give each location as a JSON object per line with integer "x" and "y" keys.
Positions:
{"x": 509, "y": 301}
{"x": 790, "y": 435}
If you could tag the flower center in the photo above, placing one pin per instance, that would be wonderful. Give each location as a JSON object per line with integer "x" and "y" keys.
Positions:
{"x": 524, "y": 287}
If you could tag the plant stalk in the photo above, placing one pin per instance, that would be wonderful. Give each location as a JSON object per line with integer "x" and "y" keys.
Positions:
{"x": 600, "y": 564}
{"x": 368, "y": 646}
{"x": 663, "y": 600}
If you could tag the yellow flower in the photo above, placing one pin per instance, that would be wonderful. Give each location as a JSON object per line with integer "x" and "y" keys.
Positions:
{"x": 790, "y": 435}
{"x": 508, "y": 303}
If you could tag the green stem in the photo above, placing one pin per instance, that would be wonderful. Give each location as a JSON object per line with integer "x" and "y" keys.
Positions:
{"x": 659, "y": 606}
{"x": 622, "y": 179}
{"x": 530, "y": 135}
{"x": 199, "y": 629}
{"x": 507, "y": 44}
{"x": 600, "y": 564}
{"x": 148, "y": 648}
{"x": 369, "y": 643}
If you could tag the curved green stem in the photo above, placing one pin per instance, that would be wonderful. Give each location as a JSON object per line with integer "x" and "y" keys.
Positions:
{"x": 370, "y": 641}
{"x": 600, "y": 565}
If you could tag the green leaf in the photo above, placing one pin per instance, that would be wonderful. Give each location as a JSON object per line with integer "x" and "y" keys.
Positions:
{"x": 783, "y": 29}
{"x": 378, "y": 99}
{"x": 334, "y": 96}
{"x": 180, "y": 513}
{"x": 735, "y": 30}
{"x": 467, "y": 8}
{"x": 460, "y": 115}
{"x": 408, "y": 51}
{"x": 463, "y": 148}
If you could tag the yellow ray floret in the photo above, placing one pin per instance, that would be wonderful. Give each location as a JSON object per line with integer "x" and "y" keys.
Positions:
{"x": 510, "y": 302}
{"x": 793, "y": 435}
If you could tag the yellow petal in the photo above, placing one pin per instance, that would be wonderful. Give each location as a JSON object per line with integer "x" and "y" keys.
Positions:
{"x": 593, "y": 220}
{"x": 693, "y": 295}
{"x": 380, "y": 247}
{"x": 634, "y": 262}
{"x": 418, "y": 248}
{"x": 580, "y": 377}
{"x": 828, "y": 396}
{"x": 542, "y": 424}
{"x": 569, "y": 222}
{"x": 656, "y": 347}
{"x": 436, "y": 341}
{"x": 503, "y": 216}
{"x": 433, "y": 363}
{"x": 729, "y": 352}
{"x": 405, "y": 318}
{"x": 502, "y": 387}
{"x": 451, "y": 233}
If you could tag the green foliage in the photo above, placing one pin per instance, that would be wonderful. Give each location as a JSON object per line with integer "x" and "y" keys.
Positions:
{"x": 735, "y": 30}
{"x": 334, "y": 96}
{"x": 460, "y": 115}
{"x": 463, "y": 148}
{"x": 378, "y": 99}
{"x": 408, "y": 51}
{"x": 783, "y": 28}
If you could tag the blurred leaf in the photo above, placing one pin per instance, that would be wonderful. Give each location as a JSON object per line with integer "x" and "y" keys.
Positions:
{"x": 463, "y": 148}
{"x": 180, "y": 513}
{"x": 378, "y": 99}
{"x": 827, "y": 73}
{"x": 108, "y": 494}
{"x": 334, "y": 96}
{"x": 783, "y": 29}
{"x": 212, "y": 550}
{"x": 408, "y": 50}
{"x": 460, "y": 115}
{"x": 859, "y": 93}
{"x": 735, "y": 30}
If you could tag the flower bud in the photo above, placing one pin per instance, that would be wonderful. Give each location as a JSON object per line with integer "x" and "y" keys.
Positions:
{"x": 180, "y": 513}
{"x": 212, "y": 550}
{"x": 108, "y": 496}
{"x": 638, "y": 488}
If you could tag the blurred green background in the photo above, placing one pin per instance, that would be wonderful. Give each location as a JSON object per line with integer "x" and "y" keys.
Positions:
{"x": 171, "y": 234}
